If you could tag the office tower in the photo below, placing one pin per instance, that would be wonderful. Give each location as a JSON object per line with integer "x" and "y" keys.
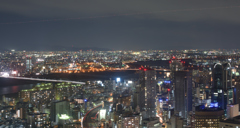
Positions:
{"x": 183, "y": 93}
{"x": 208, "y": 118}
{"x": 222, "y": 92}
{"x": 147, "y": 82}
{"x": 175, "y": 65}
{"x": 59, "y": 108}
{"x": 203, "y": 82}
{"x": 236, "y": 91}
{"x": 28, "y": 64}
{"x": 137, "y": 100}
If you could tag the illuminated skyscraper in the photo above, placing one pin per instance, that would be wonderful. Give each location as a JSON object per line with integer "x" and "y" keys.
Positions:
{"x": 175, "y": 65}
{"x": 222, "y": 92}
{"x": 183, "y": 93}
{"x": 28, "y": 64}
{"x": 148, "y": 91}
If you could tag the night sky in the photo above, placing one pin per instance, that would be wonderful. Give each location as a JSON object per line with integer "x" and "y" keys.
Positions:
{"x": 119, "y": 25}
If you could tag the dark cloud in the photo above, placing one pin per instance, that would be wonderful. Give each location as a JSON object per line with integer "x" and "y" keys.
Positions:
{"x": 172, "y": 25}
{"x": 77, "y": 8}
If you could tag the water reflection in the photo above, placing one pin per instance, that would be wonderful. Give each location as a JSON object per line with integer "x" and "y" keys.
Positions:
{"x": 15, "y": 89}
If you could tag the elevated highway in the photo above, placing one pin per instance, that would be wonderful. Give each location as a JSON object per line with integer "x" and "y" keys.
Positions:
{"x": 43, "y": 80}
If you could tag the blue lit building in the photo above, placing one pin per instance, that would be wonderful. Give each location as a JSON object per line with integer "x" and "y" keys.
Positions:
{"x": 222, "y": 92}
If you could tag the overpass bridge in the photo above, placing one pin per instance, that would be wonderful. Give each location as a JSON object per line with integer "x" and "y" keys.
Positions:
{"x": 43, "y": 80}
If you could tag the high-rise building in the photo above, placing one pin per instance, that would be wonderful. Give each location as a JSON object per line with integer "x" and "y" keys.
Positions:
{"x": 136, "y": 96}
{"x": 147, "y": 93}
{"x": 236, "y": 91}
{"x": 222, "y": 92}
{"x": 59, "y": 108}
{"x": 183, "y": 93}
{"x": 28, "y": 64}
{"x": 175, "y": 65}
{"x": 208, "y": 118}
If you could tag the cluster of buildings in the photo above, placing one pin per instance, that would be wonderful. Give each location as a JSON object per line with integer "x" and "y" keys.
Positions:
{"x": 206, "y": 97}
{"x": 45, "y": 105}
{"x": 196, "y": 89}
{"x": 187, "y": 95}
{"x": 30, "y": 63}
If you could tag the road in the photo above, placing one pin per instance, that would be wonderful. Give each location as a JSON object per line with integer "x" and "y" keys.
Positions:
{"x": 46, "y": 80}
{"x": 88, "y": 122}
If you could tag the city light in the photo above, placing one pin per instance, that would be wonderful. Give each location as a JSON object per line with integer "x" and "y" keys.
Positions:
{"x": 167, "y": 82}
{"x": 5, "y": 74}
{"x": 130, "y": 82}
{"x": 64, "y": 117}
{"x": 213, "y": 105}
{"x": 40, "y": 60}
{"x": 102, "y": 114}
{"x": 118, "y": 79}
{"x": 14, "y": 72}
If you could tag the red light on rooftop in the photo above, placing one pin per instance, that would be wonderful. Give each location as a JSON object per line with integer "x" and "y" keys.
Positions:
{"x": 170, "y": 62}
{"x": 168, "y": 90}
{"x": 174, "y": 57}
{"x": 145, "y": 69}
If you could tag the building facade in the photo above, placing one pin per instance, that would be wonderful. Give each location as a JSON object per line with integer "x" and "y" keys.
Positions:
{"x": 208, "y": 118}
{"x": 183, "y": 93}
{"x": 147, "y": 94}
{"x": 222, "y": 92}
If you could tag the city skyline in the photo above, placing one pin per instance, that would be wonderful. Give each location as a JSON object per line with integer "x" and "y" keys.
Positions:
{"x": 119, "y": 64}
{"x": 137, "y": 89}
